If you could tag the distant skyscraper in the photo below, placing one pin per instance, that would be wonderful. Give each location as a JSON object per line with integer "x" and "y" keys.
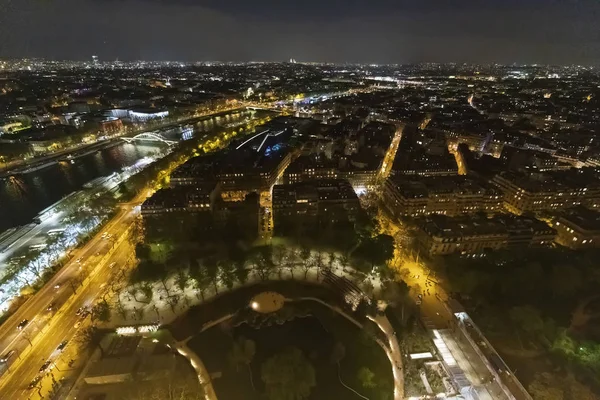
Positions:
{"x": 95, "y": 60}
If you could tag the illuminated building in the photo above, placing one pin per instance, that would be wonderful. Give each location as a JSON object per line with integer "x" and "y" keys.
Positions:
{"x": 312, "y": 204}
{"x": 415, "y": 157}
{"x": 307, "y": 168}
{"x": 200, "y": 208}
{"x": 413, "y": 196}
{"x": 442, "y": 235}
{"x": 543, "y": 192}
{"x": 578, "y": 228}
{"x": 253, "y": 164}
{"x": 111, "y": 125}
{"x": 197, "y": 198}
{"x": 138, "y": 114}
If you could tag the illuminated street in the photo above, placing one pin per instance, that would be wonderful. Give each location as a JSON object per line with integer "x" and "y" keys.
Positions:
{"x": 64, "y": 324}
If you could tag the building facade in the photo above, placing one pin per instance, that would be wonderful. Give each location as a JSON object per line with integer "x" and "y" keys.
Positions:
{"x": 544, "y": 192}
{"x": 578, "y": 228}
{"x": 312, "y": 204}
{"x": 442, "y": 235}
{"x": 412, "y": 196}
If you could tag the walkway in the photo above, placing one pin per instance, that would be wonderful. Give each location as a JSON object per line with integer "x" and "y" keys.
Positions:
{"x": 136, "y": 312}
{"x": 198, "y": 365}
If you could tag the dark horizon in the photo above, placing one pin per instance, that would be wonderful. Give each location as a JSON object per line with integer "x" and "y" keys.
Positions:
{"x": 327, "y": 31}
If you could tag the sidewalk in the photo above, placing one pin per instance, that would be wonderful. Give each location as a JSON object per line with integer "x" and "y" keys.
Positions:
{"x": 159, "y": 309}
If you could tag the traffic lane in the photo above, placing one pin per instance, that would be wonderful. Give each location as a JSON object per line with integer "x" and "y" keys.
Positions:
{"x": 21, "y": 341}
{"x": 430, "y": 296}
{"x": 131, "y": 217}
{"x": 40, "y": 300}
{"x": 63, "y": 329}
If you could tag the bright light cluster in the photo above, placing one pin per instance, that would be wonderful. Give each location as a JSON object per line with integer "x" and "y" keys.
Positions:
{"x": 132, "y": 330}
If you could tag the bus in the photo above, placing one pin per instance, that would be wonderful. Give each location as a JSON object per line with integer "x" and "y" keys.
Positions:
{"x": 56, "y": 231}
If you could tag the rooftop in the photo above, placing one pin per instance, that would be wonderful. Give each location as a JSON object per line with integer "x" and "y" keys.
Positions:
{"x": 581, "y": 217}
{"x": 420, "y": 187}
{"x": 443, "y": 226}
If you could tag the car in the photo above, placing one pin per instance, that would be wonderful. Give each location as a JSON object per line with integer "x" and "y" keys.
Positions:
{"x": 22, "y": 324}
{"x": 57, "y": 286}
{"x": 51, "y": 306}
{"x": 45, "y": 366}
{"x": 420, "y": 296}
{"x": 78, "y": 260}
{"x": 77, "y": 325}
{"x": 82, "y": 311}
{"x": 7, "y": 356}
{"x": 62, "y": 345}
{"x": 418, "y": 302}
{"x": 112, "y": 264}
{"x": 34, "y": 382}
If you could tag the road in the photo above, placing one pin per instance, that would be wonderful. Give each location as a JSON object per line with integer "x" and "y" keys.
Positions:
{"x": 428, "y": 291}
{"x": 30, "y": 351}
{"x": 64, "y": 326}
{"x": 87, "y": 276}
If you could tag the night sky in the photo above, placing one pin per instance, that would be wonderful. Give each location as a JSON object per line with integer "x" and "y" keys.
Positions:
{"x": 373, "y": 31}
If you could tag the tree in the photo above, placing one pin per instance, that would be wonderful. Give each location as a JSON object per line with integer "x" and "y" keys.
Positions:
{"x": 227, "y": 274}
{"x": 377, "y": 250}
{"x": 91, "y": 337}
{"x": 306, "y": 260}
{"x": 241, "y": 354}
{"x": 543, "y": 388}
{"x": 200, "y": 279}
{"x": 337, "y": 353}
{"x": 395, "y": 292}
{"x": 147, "y": 291}
{"x": 320, "y": 260}
{"x": 240, "y": 272}
{"x": 279, "y": 255}
{"x": 212, "y": 271}
{"x": 288, "y": 375}
{"x": 576, "y": 390}
{"x": 101, "y": 311}
{"x": 566, "y": 280}
{"x": 181, "y": 279}
{"x": 528, "y": 319}
{"x": 142, "y": 251}
{"x": 263, "y": 262}
{"x": 291, "y": 261}
{"x": 366, "y": 376}
{"x": 32, "y": 262}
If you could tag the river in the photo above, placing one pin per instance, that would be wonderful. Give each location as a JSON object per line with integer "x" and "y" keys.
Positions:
{"x": 23, "y": 197}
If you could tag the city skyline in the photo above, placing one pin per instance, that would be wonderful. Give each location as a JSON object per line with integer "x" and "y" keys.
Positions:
{"x": 380, "y": 32}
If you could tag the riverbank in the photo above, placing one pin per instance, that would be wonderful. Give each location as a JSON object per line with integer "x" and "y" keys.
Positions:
{"x": 50, "y": 160}
{"x": 80, "y": 150}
